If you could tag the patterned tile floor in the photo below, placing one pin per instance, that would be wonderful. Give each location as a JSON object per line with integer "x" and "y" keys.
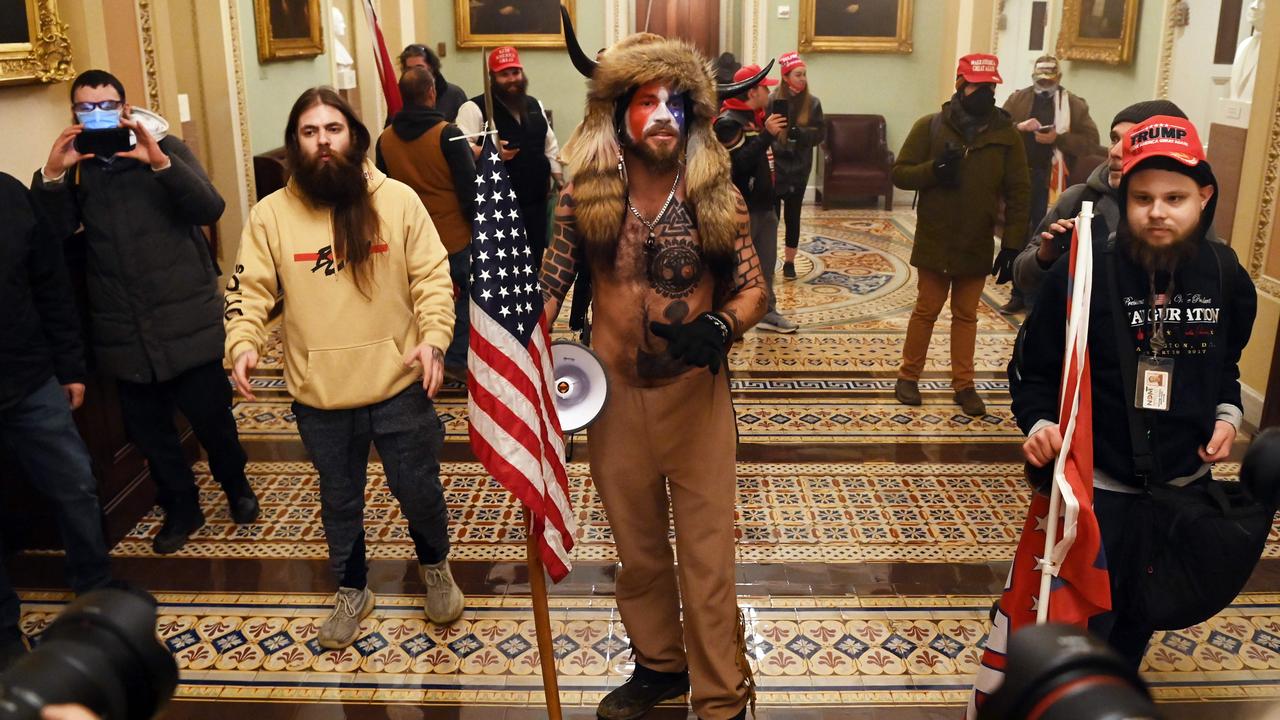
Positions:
{"x": 805, "y": 652}
{"x": 866, "y": 584}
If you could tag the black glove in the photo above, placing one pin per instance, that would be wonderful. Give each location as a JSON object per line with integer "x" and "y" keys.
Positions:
{"x": 947, "y": 167}
{"x": 1003, "y": 266}
{"x": 702, "y": 343}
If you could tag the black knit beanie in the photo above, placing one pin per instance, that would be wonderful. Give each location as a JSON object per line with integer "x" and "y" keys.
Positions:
{"x": 1147, "y": 109}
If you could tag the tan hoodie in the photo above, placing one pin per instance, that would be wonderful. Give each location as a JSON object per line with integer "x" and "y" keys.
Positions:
{"x": 341, "y": 349}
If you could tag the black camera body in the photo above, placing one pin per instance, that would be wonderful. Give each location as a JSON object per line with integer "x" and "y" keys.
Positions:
{"x": 102, "y": 653}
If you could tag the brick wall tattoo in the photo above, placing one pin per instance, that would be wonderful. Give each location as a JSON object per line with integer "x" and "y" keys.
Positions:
{"x": 749, "y": 300}
{"x": 560, "y": 262}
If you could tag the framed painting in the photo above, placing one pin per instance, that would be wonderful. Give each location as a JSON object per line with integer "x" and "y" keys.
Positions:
{"x": 867, "y": 26}
{"x": 519, "y": 23}
{"x": 34, "y": 46}
{"x": 1098, "y": 30}
{"x": 288, "y": 29}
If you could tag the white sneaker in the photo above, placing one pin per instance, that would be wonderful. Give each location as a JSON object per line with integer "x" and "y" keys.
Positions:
{"x": 445, "y": 600}
{"x": 775, "y": 322}
{"x": 342, "y": 627}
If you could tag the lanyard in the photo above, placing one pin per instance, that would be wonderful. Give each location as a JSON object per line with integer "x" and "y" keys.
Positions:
{"x": 1158, "y": 302}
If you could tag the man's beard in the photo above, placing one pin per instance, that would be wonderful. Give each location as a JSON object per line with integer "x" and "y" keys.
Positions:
{"x": 513, "y": 95}
{"x": 657, "y": 160}
{"x": 1164, "y": 258}
{"x": 338, "y": 183}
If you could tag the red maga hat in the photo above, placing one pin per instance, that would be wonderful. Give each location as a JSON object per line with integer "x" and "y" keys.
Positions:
{"x": 504, "y": 57}
{"x": 979, "y": 68}
{"x": 790, "y": 61}
{"x": 1162, "y": 136}
{"x": 746, "y": 72}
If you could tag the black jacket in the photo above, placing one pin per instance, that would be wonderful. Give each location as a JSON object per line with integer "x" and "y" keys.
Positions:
{"x": 749, "y": 161}
{"x": 154, "y": 299}
{"x": 1215, "y": 303}
{"x": 794, "y": 156}
{"x": 39, "y": 329}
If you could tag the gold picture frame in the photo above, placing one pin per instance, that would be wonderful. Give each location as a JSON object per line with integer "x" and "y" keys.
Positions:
{"x": 288, "y": 29}
{"x": 519, "y": 23}
{"x": 1098, "y": 30}
{"x": 868, "y": 26}
{"x": 40, "y": 50}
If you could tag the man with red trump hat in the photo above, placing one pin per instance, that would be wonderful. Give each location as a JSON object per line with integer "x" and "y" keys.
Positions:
{"x": 965, "y": 161}
{"x": 528, "y": 145}
{"x": 1185, "y": 310}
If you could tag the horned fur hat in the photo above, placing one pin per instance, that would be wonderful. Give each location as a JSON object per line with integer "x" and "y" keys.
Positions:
{"x": 593, "y": 154}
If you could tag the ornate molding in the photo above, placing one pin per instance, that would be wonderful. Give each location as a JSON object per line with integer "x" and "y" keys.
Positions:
{"x": 47, "y": 58}
{"x": 242, "y": 103}
{"x": 1267, "y": 208}
{"x": 150, "y": 71}
{"x": 995, "y": 26}
{"x": 1073, "y": 45}
{"x": 1164, "y": 69}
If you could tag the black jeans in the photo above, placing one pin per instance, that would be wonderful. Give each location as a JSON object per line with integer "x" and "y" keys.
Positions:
{"x": 460, "y": 273}
{"x": 787, "y": 208}
{"x": 203, "y": 394}
{"x": 40, "y": 432}
{"x": 1124, "y": 629}
{"x": 408, "y": 435}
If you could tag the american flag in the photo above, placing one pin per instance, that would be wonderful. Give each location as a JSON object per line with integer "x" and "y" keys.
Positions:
{"x": 1080, "y": 586}
{"x": 514, "y": 429}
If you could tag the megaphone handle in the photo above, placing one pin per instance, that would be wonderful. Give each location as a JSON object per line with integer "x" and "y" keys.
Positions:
{"x": 568, "y": 451}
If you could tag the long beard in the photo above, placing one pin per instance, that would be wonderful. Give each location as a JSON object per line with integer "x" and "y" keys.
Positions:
{"x": 1160, "y": 259}
{"x": 338, "y": 183}
{"x": 514, "y": 96}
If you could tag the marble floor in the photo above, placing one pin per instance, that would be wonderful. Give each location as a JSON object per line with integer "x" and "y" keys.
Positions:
{"x": 872, "y": 540}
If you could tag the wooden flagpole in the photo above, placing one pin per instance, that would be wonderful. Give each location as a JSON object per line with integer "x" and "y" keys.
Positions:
{"x": 542, "y": 619}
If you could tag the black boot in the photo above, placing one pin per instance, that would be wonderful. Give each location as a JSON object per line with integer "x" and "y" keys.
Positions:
{"x": 638, "y": 695}
{"x": 243, "y": 504}
{"x": 178, "y": 526}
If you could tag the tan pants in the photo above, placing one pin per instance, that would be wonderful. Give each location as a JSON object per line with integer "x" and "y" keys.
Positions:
{"x": 932, "y": 292}
{"x": 680, "y": 439}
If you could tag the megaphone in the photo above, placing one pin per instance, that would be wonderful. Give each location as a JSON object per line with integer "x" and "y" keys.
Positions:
{"x": 580, "y": 387}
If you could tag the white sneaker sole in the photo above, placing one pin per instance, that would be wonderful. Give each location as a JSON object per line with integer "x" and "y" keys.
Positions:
{"x": 776, "y": 328}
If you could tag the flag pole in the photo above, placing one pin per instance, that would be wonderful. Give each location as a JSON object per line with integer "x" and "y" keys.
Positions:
{"x": 542, "y": 619}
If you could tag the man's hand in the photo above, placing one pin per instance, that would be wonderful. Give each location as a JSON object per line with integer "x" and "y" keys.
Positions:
{"x": 146, "y": 150}
{"x": 506, "y": 154}
{"x": 1048, "y": 250}
{"x": 75, "y": 394}
{"x": 245, "y": 362}
{"x": 1029, "y": 125}
{"x": 1046, "y": 138}
{"x": 63, "y": 155}
{"x": 1041, "y": 449}
{"x": 701, "y": 343}
{"x": 67, "y": 712}
{"x": 1219, "y": 447}
{"x": 776, "y": 125}
{"x": 432, "y": 362}
{"x": 476, "y": 150}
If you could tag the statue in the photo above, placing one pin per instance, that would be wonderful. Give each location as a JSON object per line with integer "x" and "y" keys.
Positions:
{"x": 1244, "y": 68}
{"x": 346, "y": 76}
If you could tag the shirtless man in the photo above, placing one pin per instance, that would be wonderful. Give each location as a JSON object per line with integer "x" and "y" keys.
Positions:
{"x": 671, "y": 293}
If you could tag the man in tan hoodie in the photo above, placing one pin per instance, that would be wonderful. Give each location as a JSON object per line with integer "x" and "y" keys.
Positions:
{"x": 369, "y": 312}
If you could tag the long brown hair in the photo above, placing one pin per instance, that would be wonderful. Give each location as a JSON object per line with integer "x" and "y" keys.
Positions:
{"x": 355, "y": 223}
{"x": 799, "y": 102}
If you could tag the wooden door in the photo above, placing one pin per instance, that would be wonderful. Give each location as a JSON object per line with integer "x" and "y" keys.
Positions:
{"x": 697, "y": 21}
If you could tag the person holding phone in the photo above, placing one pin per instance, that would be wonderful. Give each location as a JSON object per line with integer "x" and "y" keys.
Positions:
{"x": 794, "y": 156}
{"x": 751, "y": 134}
{"x": 154, "y": 301}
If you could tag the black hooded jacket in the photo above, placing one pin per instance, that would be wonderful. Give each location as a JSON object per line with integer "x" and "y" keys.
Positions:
{"x": 1209, "y": 322}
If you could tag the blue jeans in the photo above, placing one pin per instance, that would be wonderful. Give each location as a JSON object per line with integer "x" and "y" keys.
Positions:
{"x": 460, "y": 273}
{"x": 40, "y": 432}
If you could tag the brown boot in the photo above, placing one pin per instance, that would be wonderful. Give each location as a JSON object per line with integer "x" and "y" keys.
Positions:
{"x": 907, "y": 392}
{"x": 970, "y": 402}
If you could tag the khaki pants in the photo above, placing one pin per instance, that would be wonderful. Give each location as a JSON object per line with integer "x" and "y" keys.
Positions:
{"x": 965, "y": 291}
{"x": 676, "y": 446}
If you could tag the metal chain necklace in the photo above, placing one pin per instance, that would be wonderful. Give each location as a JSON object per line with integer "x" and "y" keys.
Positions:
{"x": 650, "y": 243}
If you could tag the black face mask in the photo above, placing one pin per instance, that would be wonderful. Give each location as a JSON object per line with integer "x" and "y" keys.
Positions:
{"x": 980, "y": 103}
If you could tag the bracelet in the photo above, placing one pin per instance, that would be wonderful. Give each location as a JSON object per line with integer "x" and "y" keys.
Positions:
{"x": 720, "y": 324}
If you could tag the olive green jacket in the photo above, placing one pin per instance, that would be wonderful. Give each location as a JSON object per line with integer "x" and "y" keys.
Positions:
{"x": 955, "y": 226}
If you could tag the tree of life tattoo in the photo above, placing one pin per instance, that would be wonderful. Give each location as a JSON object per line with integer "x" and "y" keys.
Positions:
{"x": 564, "y": 252}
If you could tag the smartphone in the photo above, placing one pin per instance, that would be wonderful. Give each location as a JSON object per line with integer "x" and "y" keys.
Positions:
{"x": 104, "y": 143}
{"x": 779, "y": 106}
{"x": 1046, "y": 129}
{"x": 511, "y": 144}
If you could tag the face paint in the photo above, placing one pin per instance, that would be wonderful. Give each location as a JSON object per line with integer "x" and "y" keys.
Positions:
{"x": 653, "y": 105}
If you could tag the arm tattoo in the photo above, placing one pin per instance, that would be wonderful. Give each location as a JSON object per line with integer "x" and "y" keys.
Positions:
{"x": 564, "y": 252}
{"x": 749, "y": 299}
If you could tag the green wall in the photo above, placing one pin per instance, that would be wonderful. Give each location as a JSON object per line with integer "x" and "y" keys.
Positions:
{"x": 552, "y": 78}
{"x": 271, "y": 88}
{"x": 901, "y": 87}
{"x": 1109, "y": 88}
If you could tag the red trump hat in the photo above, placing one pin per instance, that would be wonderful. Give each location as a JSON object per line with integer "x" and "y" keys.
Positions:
{"x": 504, "y": 57}
{"x": 1162, "y": 136}
{"x": 979, "y": 68}
{"x": 789, "y": 61}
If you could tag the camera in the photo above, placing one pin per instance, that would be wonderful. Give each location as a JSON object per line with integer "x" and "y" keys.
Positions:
{"x": 1061, "y": 672}
{"x": 102, "y": 653}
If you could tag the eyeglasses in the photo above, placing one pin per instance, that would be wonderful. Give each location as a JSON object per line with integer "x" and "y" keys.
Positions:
{"x": 100, "y": 105}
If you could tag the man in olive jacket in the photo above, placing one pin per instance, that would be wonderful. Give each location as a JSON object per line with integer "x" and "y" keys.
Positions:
{"x": 154, "y": 300}
{"x": 966, "y": 161}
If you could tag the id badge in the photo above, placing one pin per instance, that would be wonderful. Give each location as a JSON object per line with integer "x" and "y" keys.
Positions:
{"x": 1155, "y": 381}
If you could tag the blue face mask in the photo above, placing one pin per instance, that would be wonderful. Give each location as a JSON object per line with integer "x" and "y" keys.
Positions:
{"x": 99, "y": 119}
